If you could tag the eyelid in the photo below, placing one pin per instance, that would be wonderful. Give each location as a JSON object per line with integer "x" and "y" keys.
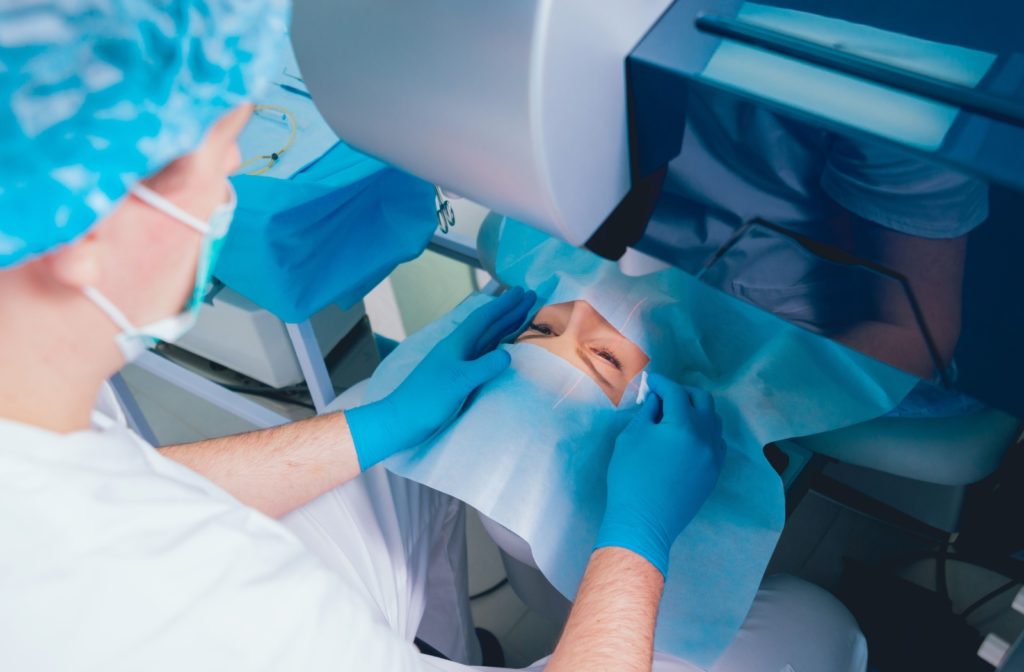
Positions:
{"x": 613, "y": 361}
{"x": 535, "y": 326}
{"x": 583, "y": 353}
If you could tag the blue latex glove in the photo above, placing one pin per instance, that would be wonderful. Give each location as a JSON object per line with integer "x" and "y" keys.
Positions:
{"x": 665, "y": 464}
{"x": 436, "y": 389}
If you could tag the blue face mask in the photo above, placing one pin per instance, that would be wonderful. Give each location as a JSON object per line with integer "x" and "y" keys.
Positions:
{"x": 133, "y": 341}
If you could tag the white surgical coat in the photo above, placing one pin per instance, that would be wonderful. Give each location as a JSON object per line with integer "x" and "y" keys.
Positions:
{"x": 115, "y": 557}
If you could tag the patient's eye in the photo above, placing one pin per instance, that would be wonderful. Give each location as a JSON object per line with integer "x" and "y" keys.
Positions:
{"x": 609, "y": 357}
{"x": 541, "y": 328}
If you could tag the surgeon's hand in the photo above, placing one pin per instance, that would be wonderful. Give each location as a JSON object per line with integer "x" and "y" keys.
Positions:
{"x": 436, "y": 389}
{"x": 665, "y": 464}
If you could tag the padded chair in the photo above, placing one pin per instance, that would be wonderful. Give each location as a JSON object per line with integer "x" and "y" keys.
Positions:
{"x": 919, "y": 466}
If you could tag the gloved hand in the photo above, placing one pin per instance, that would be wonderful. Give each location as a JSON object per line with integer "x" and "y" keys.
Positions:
{"x": 665, "y": 464}
{"x": 436, "y": 389}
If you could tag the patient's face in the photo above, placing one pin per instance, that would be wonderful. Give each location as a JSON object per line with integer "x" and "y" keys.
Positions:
{"x": 581, "y": 336}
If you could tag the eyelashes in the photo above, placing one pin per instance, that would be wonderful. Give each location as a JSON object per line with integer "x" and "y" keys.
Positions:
{"x": 540, "y": 328}
{"x": 603, "y": 353}
{"x": 609, "y": 357}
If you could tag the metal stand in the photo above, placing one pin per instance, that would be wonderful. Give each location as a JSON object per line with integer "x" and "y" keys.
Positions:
{"x": 311, "y": 361}
{"x": 209, "y": 391}
{"x": 131, "y": 409}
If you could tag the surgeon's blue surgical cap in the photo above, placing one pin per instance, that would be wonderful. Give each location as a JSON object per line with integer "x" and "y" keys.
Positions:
{"x": 98, "y": 94}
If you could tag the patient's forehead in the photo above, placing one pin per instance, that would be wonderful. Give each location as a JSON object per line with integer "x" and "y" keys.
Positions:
{"x": 586, "y": 322}
{"x": 582, "y": 312}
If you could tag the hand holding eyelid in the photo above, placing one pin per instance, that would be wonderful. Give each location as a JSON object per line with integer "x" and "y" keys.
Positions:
{"x": 436, "y": 389}
{"x": 485, "y": 328}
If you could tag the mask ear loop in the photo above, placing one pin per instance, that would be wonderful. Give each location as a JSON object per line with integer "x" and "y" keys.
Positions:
{"x": 112, "y": 311}
{"x": 155, "y": 200}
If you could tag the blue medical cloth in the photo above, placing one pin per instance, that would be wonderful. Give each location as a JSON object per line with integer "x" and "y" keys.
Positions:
{"x": 327, "y": 235}
{"x": 530, "y": 450}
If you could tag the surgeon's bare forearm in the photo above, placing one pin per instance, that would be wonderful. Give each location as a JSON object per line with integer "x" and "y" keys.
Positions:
{"x": 611, "y": 626}
{"x": 279, "y": 469}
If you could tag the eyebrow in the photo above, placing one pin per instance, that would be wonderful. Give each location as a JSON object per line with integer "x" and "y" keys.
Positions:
{"x": 582, "y": 354}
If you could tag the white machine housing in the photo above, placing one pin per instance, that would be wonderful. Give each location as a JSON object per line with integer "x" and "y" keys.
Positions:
{"x": 236, "y": 333}
{"x": 536, "y": 128}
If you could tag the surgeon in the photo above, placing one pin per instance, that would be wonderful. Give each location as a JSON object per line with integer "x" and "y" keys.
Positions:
{"x": 119, "y": 122}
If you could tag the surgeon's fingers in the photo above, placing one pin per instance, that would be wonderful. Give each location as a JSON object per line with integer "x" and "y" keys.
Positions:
{"x": 472, "y": 375}
{"x": 675, "y": 399}
{"x": 468, "y": 333}
{"x": 718, "y": 448}
{"x": 508, "y": 324}
{"x": 650, "y": 410}
{"x": 701, "y": 400}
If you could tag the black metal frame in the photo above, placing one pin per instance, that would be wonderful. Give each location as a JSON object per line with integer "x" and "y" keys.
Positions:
{"x": 841, "y": 257}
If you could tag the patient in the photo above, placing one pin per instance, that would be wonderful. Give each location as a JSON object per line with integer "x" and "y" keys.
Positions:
{"x": 530, "y": 450}
{"x": 580, "y": 335}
